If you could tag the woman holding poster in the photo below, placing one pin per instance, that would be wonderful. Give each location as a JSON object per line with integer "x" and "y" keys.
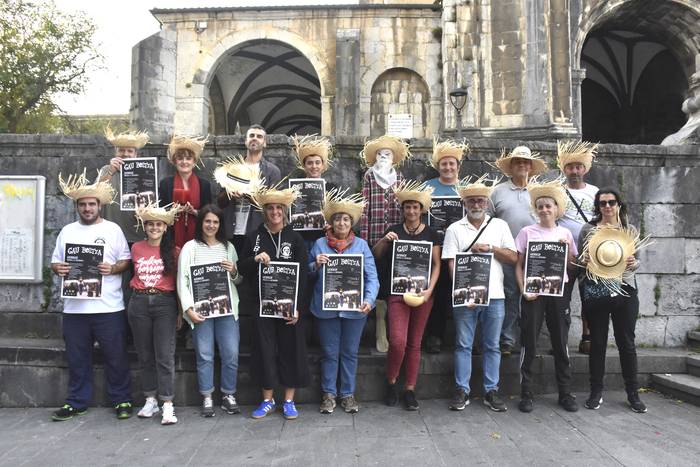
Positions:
{"x": 408, "y": 313}
{"x": 279, "y": 347}
{"x": 210, "y": 246}
{"x": 340, "y": 331}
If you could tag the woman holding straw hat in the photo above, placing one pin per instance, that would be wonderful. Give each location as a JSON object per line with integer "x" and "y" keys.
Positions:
{"x": 153, "y": 309}
{"x": 185, "y": 187}
{"x": 407, "y": 314}
{"x": 340, "y": 331}
{"x": 609, "y": 291}
{"x": 279, "y": 347}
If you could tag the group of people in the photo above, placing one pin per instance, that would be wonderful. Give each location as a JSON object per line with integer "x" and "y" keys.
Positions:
{"x": 247, "y": 225}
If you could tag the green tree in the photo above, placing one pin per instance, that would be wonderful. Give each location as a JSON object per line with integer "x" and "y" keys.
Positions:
{"x": 43, "y": 51}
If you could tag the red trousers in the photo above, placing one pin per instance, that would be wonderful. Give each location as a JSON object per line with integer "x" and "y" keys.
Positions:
{"x": 406, "y": 326}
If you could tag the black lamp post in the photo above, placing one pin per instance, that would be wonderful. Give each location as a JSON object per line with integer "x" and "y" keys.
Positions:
{"x": 458, "y": 99}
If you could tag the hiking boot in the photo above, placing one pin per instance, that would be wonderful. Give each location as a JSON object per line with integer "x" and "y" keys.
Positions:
{"x": 349, "y": 404}
{"x": 525, "y": 404}
{"x": 493, "y": 401}
{"x": 289, "y": 410}
{"x": 594, "y": 401}
{"x": 568, "y": 402}
{"x": 229, "y": 404}
{"x": 327, "y": 404}
{"x": 169, "y": 417}
{"x": 636, "y": 403}
{"x": 584, "y": 346}
{"x": 460, "y": 400}
{"x": 66, "y": 413}
{"x": 409, "y": 401}
{"x": 506, "y": 350}
{"x": 149, "y": 409}
{"x": 263, "y": 409}
{"x": 392, "y": 395}
{"x": 207, "y": 407}
{"x": 433, "y": 344}
{"x": 124, "y": 410}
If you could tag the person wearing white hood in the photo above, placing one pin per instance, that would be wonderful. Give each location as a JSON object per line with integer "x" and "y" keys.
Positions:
{"x": 382, "y": 155}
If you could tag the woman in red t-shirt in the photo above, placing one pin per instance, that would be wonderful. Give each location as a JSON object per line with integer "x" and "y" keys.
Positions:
{"x": 153, "y": 309}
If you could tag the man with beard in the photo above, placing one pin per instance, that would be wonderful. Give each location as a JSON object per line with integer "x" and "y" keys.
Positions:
{"x": 239, "y": 218}
{"x": 479, "y": 233}
{"x": 101, "y": 319}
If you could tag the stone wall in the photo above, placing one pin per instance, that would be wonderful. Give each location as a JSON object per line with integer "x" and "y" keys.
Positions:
{"x": 658, "y": 182}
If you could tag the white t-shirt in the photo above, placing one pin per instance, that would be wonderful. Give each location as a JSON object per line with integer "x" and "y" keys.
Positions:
{"x": 572, "y": 220}
{"x": 116, "y": 248}
{"x": 460, "y": 235}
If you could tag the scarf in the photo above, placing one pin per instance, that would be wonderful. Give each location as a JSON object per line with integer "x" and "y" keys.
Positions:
{"x": 338, "y": 244}
{"x": 384, "y": 172}
{"x": 185, "y": 223}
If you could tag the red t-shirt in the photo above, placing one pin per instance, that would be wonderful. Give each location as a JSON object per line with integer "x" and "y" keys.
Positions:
{"x": 148, "y": 268}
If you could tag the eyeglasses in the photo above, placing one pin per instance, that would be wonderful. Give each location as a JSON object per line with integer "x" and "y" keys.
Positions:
{"x": 612, "y": 203}
{"x": 476, "y": 201}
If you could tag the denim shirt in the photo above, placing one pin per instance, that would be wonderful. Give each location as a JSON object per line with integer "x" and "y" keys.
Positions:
{"x": 358, "y": 246}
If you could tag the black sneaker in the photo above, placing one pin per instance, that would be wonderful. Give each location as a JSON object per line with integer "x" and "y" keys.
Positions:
{"x": 229, "y": 404}
{"x": 636, "y": 403}
{"x": 392, "y": 395}
{"x": 594, "y": 401}
{"x": 494, "y": 402}
{"x": 124, "y": 410}
{"x": 525, "y": 404}
{"x": 66, "y": 413}
{"x": 568, "y": 402}
{"x": 409, "y": 401}
{"x": 460, "y": 400}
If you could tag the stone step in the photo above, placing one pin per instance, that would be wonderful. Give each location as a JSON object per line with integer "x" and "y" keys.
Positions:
{"x": 681, "y": 385}
{"x": 694, "y": 339}
{"x": 693, "y": 362}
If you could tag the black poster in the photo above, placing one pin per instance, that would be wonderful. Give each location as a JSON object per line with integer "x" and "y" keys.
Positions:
{"x": 138, "y": 183}
{"x": 470, "y": 279}
{"x": 84, "y": 280}
{"x": 211, "y": 291}
{"x": 306, "y": 210}
{"x": 545, "y": 266}
{"x": 278, "y": 287}
{"x": 343, "y": 283}
{"x": 410, "y": 266}
{"x": 444, "y": 210}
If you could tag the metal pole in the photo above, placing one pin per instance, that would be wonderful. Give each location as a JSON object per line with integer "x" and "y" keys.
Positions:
{"x": 459, "y": 124}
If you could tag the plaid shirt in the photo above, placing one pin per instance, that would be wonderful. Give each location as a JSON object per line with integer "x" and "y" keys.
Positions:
{"x": 381, "y": 210}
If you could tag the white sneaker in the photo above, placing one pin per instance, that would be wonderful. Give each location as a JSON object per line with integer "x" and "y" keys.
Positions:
{"x": 149, "y": 409}
{"x": 169, "y": 417}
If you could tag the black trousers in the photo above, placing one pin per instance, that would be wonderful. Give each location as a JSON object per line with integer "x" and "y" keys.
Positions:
{"x": 555, "y": 311}
{"x": 442, "y": 304}
{"x": 623, "y": 311}
{"x": 279, "y": 354}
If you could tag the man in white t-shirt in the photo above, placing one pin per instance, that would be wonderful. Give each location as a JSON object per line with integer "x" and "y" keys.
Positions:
{"x": 98, "y": 319}
{"x": 574, "y": 160}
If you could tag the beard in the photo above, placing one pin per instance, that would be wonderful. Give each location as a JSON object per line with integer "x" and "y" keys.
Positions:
{"x": 475, "y": 214}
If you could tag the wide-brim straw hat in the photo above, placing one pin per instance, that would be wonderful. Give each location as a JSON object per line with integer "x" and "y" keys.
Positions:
{"x": 413, "y": 300}
{"x": 153, "y": 212}
{"x": 552, "y": 189}
{"x": 192, "y": 144}
{"x": 448, "y": 148}
{"x": 570, "y": 152}
{"x": 479, "y": 187}
{"x": 78, "y": 187}
{"x": 312, "y": 145}
{"x": 132, "y": 139}
{"x": 273, "y": 195}
{"x": 397, "y": 146}
{"x": 411, "y": 190}
{"x": 337, "y": 201}
{"x": 235, "y": 175}
{"x": 521, "y": 152}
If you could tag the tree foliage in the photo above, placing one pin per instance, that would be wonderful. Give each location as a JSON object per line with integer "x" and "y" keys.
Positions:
{"x": 43, "y": 51}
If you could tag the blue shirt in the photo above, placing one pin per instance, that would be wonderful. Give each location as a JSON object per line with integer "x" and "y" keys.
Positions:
{"x": 440, "y": 189}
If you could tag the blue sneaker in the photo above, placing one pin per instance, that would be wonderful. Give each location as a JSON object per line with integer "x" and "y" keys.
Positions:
{"x": 289, "y": 410}
{"x": 264, "y": 408}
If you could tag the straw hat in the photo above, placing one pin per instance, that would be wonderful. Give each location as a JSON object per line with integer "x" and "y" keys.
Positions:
{"x": 336, "y": 201}
{"x": 476, "y": 188}
{"x": 312, "y": 145}
{"x": 397, "y": 146}
{"x": 273, "y": 195}
{"x": 77, "y": 187}
{"x": 553, "y": 189}
{"x": 152, "y": 212}
{"x": 413, "y": 300}
{"x": 132, "y": 139}
{"x": 411, "y": 190}
{"x": 448, "y": 148}
{"x": 521, "y": 152}
{"x": 235, "y": 175}
{"x": 195, "y": 145}
{"x": 569, "y": 152}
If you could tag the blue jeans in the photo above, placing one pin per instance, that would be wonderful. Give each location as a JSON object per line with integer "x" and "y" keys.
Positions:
{"x": 490, "y": 318}
{"x": 226, "y": 333}
{"x": 340, "y": 341}
{"x": 510, "y": 331}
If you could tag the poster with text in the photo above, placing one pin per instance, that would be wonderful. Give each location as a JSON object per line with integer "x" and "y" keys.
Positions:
{"x": 278, "y": 287}
{"x": 306, "y": 210}
{"x": 343, "y": 283}
{"x": 545, "y": 267}
{"x": 211, "y": 290}
{"x": 84, "y": 280}
{"x": 410, "y": 266}
{"x": 470, "y": 279}
{"x": 138, "y": 184}
{"x": 444, "y": 210}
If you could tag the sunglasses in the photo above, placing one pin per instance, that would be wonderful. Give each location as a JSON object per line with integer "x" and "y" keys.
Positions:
{"x": 611, "y": 203}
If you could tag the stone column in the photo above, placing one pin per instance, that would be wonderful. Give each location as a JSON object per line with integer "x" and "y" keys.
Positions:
{"x": 577, "y": 77}
{"x": 347, "y": 88}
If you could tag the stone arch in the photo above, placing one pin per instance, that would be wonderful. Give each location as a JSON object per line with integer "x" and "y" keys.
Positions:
{"x": 400, "y": 91}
